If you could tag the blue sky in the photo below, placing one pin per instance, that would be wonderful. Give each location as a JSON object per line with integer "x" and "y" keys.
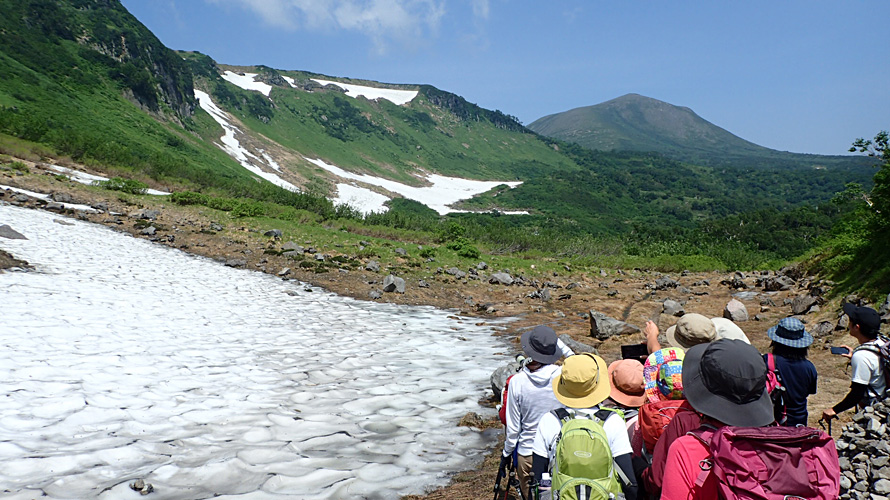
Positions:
{"x": 804, "y": 76}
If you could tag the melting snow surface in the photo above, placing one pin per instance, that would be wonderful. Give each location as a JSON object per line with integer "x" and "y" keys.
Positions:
{"x": 247, "y": 82}
{"x": 85, "y": 178}
{"x": 398, "y": 97}
{"x": 233, "y": 147}
{"x": 443, "y": 191}
{"x": 121, "y": 359}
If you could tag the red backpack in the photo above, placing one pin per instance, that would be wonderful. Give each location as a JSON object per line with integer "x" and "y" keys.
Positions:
{"x": 502, "y": 411}
{"x": 771, "y": 463}
{"x": 654, "y": 417}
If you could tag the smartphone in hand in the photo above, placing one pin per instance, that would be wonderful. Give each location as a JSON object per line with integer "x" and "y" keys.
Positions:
{"x": 840, "y": 350}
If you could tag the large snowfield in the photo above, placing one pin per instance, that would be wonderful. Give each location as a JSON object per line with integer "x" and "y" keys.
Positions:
{"x": 122, "y": 359}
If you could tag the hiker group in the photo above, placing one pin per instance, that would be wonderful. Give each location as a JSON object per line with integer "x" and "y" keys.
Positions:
{"x": 706, "y": 417}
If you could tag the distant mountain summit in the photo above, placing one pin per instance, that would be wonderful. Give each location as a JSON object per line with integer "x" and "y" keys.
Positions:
{"x": 637, "y": 123}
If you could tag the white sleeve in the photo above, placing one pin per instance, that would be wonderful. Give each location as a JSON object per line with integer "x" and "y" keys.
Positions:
{"x": 864, "y": 364}
{"x": 511, "y": 438}
{"x": 566, "y": 350}
{"x": 616, "y": 431}
{"x": 548, "y": 430}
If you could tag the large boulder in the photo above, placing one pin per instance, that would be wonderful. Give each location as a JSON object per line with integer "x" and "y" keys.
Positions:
{"x": 575, "y": 346}
{"x": 7, "y": 232}
{"x": 501, "y": 279}
{"x": 603, "y": 327}
{"x": 735, "y": 311}
{"x": 392, "y": 283}
{"x": 802, "y": 304}
{"x": 777, "y": 284}
{"x": 499, "y": 377}
{"x": 672, "y": 308}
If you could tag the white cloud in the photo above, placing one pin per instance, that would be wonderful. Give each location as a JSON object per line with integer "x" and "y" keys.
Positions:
{"x": 382, "y": 21}
{"x": 481, "y": 9}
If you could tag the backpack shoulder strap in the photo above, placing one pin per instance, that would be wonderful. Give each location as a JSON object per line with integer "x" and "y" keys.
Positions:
{"x": 562, "y": 414}
{"x": 704, "y": 434}
{"x": 771, "y": 362}
{"x": 605, "y": 412}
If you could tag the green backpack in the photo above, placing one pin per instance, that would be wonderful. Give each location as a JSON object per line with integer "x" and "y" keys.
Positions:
{"x": 582, "y": 467}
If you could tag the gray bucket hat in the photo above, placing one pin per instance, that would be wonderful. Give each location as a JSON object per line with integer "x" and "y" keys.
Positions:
{"x": 539, "y": 344}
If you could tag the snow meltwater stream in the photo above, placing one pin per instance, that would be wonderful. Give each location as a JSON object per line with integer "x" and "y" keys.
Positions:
{"x": 121, "y": 359}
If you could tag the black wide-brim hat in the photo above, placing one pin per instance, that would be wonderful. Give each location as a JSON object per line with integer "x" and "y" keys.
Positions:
{"x": 726, "y": 380}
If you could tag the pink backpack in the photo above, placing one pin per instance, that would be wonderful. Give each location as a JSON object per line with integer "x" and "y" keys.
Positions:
{"x": 776, "y": 390}
{"x": 771, "y": 463}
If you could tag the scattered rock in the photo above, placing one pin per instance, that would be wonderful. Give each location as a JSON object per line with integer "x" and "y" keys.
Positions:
{"x": 802, "y": 304}
{"x": 393, "y": 284}
{"x": 373, "y": 266}
{"x": 62, "y": 197}
{"x": 672, "y": 307}
{"x": 735, "y": 311}
{"x": 575, "y": 346}
{"x": 603, "y": 327}
{"x": 471, "y": 419}
{"x": 501, "y": 279}
{"x": 666, "y": 283}
{"x": 273, "y": 233}
{"x": 8, "y": 232}
{"x": 236, "y": 262}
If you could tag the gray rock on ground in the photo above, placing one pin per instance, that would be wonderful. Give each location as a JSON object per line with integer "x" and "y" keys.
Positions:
{"x": 672, "y": 308}
{"x": 735, "y": 311}
{"x": 603, "y": 327}
{"x": 575, "y": 346}
{"x": 802, "y": 304}
{"x": 393, "y": 284}
{"x": 501, "y": 279}
{"x": 8, "y": 232}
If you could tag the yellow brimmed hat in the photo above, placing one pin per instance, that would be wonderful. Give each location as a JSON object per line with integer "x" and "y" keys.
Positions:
{"x": 584, "y": 381}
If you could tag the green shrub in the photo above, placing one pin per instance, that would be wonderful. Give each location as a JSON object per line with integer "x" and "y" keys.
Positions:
{"x": 248, "y": 209}
{"x": 21, "y": 167}
{"x": 428, "y": 252}
{"x": 464, "y": 248}
{"x": 189, "y": 198}
{"x": 130, "y": 186}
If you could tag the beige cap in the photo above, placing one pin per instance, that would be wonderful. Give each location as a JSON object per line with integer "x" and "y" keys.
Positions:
{"x": 692, "y": 329}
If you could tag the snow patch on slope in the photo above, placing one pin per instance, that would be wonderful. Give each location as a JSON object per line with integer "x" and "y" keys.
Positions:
{"x": 399, "y": 97}
{"x": 231, "y": 145}
{"x": 442, "y": 192}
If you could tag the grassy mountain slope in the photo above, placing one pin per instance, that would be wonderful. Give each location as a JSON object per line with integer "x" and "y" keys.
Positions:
{"x": 89, "y": 81}
{"x": 436, "y": 132}
{"x": 85, "y": 79}
{"x": 637, "y": 123}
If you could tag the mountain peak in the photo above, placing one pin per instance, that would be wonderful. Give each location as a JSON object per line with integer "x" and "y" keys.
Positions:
{"x": 634, "y": 122}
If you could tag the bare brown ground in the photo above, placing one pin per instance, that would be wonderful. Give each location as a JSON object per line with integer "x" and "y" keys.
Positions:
{"x": 634, "y": 302}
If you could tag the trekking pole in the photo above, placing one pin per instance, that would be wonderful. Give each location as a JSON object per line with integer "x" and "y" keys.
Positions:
{"x": 497, "y": 481}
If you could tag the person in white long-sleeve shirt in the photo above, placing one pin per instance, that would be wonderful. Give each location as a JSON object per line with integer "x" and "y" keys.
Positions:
{"x": 530, "y": 396}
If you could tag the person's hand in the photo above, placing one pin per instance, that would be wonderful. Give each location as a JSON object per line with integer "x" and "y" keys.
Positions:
{"x": 828, "y": 414}
{"x": 651, "y": 329}
{"x": 849, "y": 354}
{"x": 505, "y": 462}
